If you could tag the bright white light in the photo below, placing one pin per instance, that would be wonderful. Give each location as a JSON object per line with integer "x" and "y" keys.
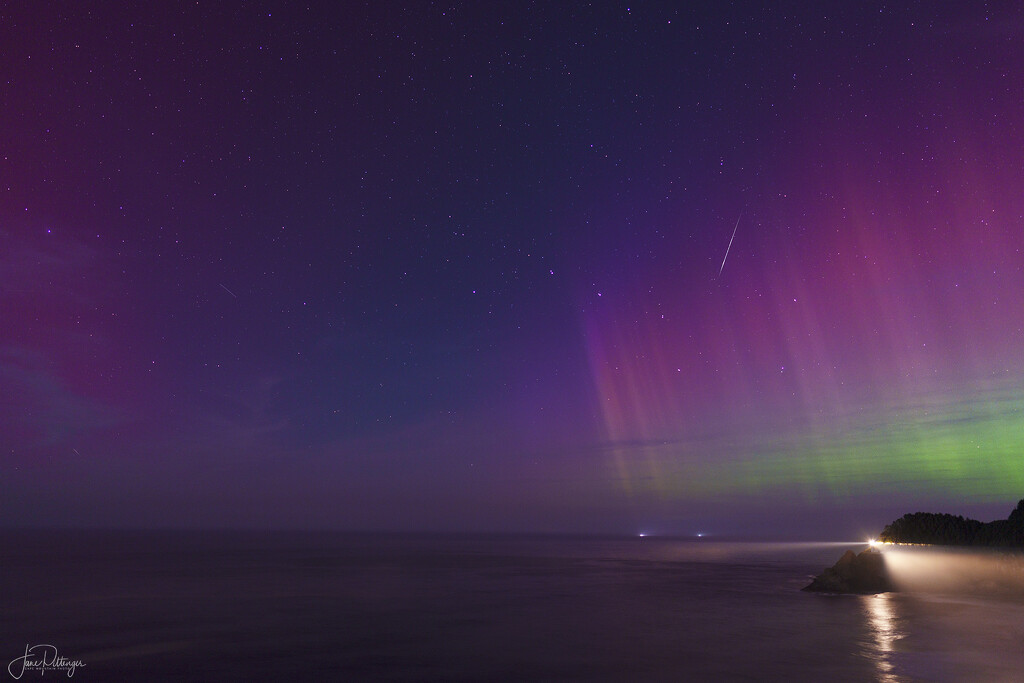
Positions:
{"x": 873, "y": 542}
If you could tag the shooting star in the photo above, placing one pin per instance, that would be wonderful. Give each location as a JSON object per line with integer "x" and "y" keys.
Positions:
{"x": 233, "y": 294}
{"x": 730, "y": 245}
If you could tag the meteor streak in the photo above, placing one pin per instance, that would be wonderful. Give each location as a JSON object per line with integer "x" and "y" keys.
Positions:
{"x": 730, "y": 244}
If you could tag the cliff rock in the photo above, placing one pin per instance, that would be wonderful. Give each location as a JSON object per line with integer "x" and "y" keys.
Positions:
{"x": 864, "y": 574}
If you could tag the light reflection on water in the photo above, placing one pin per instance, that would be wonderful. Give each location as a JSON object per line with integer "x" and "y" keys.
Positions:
{"x": 959, "y": 616}
{"x": 943, "y": 638}
{"x": 882, "y": 622}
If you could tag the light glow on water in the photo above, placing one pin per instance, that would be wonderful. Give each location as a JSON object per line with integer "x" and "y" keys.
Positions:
{"x": 933, "y": 569}
{"x": 881, "y": 619}
{"x": 957, "y": 614}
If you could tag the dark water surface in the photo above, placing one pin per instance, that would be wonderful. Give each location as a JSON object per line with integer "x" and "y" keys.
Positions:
{"x": 292, "y": 606}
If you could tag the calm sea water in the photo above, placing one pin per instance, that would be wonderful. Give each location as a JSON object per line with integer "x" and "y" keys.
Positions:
{"x": 289, "y": 606}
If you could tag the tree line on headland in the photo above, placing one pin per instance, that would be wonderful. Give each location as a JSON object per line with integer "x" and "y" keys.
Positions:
{"x": 943, "y": 529}
{"x": 867, "y": 572}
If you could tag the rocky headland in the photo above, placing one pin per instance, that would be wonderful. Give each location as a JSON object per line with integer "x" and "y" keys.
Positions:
{"x": 866, "y": 573}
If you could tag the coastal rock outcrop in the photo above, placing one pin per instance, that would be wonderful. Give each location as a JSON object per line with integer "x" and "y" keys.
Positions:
{"x": 864, "y": 574}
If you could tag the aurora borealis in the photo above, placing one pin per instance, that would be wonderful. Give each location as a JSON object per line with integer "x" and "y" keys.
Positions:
{"x": 460, "y": 267}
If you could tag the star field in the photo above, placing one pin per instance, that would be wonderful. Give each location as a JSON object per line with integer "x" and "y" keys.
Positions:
{"x": 460, "y": 266}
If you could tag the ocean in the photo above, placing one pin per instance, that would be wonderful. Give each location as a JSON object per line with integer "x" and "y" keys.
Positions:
{"x": 247, "y": 606}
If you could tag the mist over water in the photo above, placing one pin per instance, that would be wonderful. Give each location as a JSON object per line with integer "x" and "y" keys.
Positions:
{"x": 958, "y": 615}
{"x": 930, "y": 569}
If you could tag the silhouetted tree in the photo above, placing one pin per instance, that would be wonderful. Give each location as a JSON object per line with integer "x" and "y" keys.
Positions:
{"x": 944, "y": 529}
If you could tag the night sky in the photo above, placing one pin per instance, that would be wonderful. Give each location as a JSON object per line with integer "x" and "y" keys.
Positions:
{"x": 609, "y": 267}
